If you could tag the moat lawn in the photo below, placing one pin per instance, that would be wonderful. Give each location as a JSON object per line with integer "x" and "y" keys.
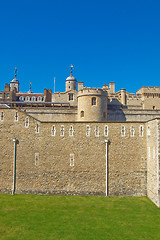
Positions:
{"x": 27, "y": 217}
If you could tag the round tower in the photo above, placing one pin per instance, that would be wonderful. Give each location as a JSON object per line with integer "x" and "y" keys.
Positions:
{"x": 71, "y": 82}
{"x": 92, "y": 105}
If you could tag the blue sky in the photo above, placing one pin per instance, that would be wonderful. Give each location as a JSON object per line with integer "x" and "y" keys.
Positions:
{"x": 115, "y": 40}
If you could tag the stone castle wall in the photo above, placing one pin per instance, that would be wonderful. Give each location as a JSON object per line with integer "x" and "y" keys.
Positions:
{"x": 153, "y": 151}
{"x": 49, "y": 163}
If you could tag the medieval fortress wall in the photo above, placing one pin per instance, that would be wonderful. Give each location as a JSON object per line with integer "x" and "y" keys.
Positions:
{"x": 90, "y": 141}
{"x": 55, "y": 158}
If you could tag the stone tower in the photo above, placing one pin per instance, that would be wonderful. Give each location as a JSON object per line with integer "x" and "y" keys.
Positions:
{"x": 92, "y": 105}
{"x": 71, "y": 82}
{"x": 14, "y": 84}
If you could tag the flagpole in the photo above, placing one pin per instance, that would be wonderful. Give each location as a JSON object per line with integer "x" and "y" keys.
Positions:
{"x": 54, "y": 83}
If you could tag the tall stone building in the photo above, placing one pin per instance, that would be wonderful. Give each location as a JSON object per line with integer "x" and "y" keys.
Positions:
{"x": 81, "y": 141}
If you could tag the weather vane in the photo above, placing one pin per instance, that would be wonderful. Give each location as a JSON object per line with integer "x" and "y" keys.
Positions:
{"x": 71, "y": 68}
{"x": 15, "y": 72}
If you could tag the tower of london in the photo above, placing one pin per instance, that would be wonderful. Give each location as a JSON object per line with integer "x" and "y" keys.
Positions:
{"x": 85, "y": 140}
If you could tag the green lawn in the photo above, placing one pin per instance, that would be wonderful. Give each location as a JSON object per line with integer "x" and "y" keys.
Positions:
{"x": 77, "y": 217}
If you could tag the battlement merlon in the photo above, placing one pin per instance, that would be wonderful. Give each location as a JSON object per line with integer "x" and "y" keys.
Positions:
{"x": 110, "y": 89}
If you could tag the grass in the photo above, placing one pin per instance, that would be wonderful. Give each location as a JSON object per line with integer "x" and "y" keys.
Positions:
{"x": 77, "y": 217}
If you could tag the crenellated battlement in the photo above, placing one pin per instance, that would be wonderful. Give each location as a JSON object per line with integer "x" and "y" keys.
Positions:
{"x": 92, "y": 91}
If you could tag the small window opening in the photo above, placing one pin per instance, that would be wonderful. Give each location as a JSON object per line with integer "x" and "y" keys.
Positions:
{"x": 2, "y": 116}
{"x": 82, "y": 113}
{"x": 93, "y": 100}
{"x": 27, "y": 122}
{"x": 141, "y": 131}
{"x": 106, "y": 131}
{"x": 154, "y": 107}
{"x": 53, "y": 131}
{"x": 132, "y": 131}
{"x": 16, "y": 116}
{"x": 97, "y": 131}
{"x": 88, "y": 130}
{"x": 71, "y": 131}
{"x": 70, "y": 97}
{"x": 62, "y": 131}
{"x": 123, "y": 131}
{"x": 36, "y": 159}
{"x": 71, "y": 160}
{"x": 37, "y": 128}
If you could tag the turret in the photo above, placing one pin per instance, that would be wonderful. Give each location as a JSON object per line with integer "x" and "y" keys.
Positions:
{"x": 71, "y": 82}
{"x": 123, "y": 96}
{"x": 92, "y": 105}
{"x": 14, "y": 84}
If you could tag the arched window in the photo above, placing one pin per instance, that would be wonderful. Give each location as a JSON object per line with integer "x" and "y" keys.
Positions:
{"x": 28, "y": 98}
{"x": 123, "y": 131}
{"x": 141, "y": 131}
{"x": 97, "y": 131}
{"x": 37, "y": 128}
{"x": 62, "y": 131}
{"x": 21, "y": 98}
{"x": 93, "y": 100}
{"x": 2, "y": 116}
{"x": 16, "y": 116}
{"x": 71, "y": 131}
{"x": 82, "y": 113}
{"x": 88, "y": 130}
{"x": 106, "y": 131}
{"x": 27, "y": 122}
{"x": 39, "y": 99}
{"x": 33, "y": 99}
{"x": 53, "y": 131}
{"x": 132, "y": 131}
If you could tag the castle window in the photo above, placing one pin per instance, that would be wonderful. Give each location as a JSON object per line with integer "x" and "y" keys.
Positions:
{"x": 93, "y": 100}
{"x": 8, "y": 95}
{"x": 71, "y": 131}
{"x": 33, "y": 99}
{"x": 70, "y": 97}
{"x": 27, "y": 122}
{"x": 37, "y": 128}
{"x": 2, "y": 116}
{"x": 53, "y": 131}
{"x": 0, "y": 95}
{"x": 39, "y": 99}
{"x": 82, "y": 113}
{"x": 27, "y": 98}
{"x": 62, "y": 131}
{"x": 148, "y": 131}
{"x": 16, "y": 116}
{"x": 106, "y": 131}
{"x": 71, "y": 160}
{"x": 132, "y": 131}
{"x": 154, "y": 107}
{"x": 123, "y": 131}
{"x": 141, "y": 131}
{"x": 88, "y": 131}
{"x": 36, "y": 159}
{"x": 21, "y": 98}
{"x": 96, "y": 131}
